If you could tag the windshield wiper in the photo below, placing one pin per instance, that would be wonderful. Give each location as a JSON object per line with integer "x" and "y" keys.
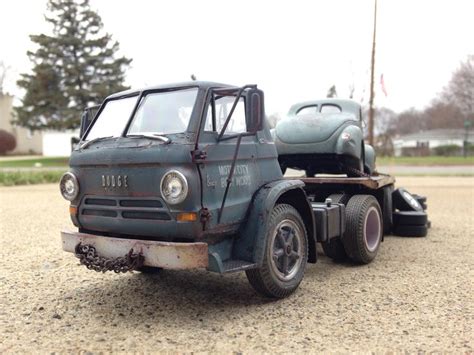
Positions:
{"x": 151, "y": 136}
{"x": 84, "y": 145}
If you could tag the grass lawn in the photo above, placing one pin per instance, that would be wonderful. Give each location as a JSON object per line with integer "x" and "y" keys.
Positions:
{"x": 425, "y": 161}
{"x": 46, "y": 162}
{"x": 12, "y": 178}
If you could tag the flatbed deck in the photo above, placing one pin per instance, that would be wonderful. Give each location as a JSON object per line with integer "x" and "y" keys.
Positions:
{"x": 372, "y": 182}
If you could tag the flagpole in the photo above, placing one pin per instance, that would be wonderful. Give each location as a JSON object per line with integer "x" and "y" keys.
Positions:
{"x": 372, "y": 73}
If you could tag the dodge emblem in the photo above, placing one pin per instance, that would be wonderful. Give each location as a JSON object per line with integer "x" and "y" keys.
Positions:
{"x": 111, "y": 181}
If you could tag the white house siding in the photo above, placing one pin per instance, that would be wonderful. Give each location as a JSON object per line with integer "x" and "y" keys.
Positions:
{"x": 431, "y": 139}
{"x": 58, "y": 144}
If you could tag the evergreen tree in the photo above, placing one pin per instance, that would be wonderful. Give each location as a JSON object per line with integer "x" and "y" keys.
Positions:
{"x": 75, "y": 67}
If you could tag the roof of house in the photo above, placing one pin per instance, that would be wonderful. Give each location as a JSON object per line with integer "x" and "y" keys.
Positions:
{"x": 438, "y": 134}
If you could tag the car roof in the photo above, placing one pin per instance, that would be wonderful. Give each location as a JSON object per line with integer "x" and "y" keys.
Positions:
{"x": 346, "y": 105}
{"x": 186, "y": 84}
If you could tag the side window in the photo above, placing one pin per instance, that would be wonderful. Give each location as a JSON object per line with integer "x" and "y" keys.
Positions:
{"x": 237, "y": 123}
{"x": 307, "y": 110}
{"x": 330, "y": 108}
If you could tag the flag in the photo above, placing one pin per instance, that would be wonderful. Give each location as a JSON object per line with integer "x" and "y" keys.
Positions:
{"x": 382, "y": 85}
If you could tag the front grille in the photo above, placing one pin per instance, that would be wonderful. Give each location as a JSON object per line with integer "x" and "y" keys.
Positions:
{"x": 146, "y": 215}
{"x": 140, "y": 203}
{"x": 125, "y": 208}
{"x": 101, "y": 213}
{"x": 100, "y": 202}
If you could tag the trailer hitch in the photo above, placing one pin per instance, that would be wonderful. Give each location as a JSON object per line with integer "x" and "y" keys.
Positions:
{"x": 89, "y": 257}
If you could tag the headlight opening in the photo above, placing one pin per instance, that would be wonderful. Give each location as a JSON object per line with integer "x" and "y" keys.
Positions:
{"x": 174, "y": 187}
{"x": 69, "y": 186}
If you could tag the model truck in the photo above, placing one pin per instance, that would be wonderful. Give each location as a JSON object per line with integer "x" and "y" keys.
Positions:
{"x": 187, "y": 176}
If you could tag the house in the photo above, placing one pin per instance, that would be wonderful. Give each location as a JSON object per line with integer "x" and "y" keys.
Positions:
{"x": 427, "y": 142}
{"x": 27, "y": 142}
{"x": 46, "y": 143}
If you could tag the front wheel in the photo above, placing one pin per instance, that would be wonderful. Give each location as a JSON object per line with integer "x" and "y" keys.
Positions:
{"x": 285, "y": 256}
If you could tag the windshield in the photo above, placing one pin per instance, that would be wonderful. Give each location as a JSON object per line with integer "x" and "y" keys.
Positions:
{"x": 158, "y": 113}
{"x": 113, "y": 118}
{"x": 164, "y": 112}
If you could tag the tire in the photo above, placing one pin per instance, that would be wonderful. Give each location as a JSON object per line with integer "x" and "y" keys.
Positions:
{"x": 334, "y": 249}
{"x": 404, "y": 201}
{"x": 387, "y": 209}
{"x": 285, "y": 255}
{"x": 419, "y": 198}
{"x": 364, "y": 228}
{"x": 410, "y": 231}
{"x": 410, "y": 218}
{"x": 149, "y": 270}
{"x": 310, "y": 172}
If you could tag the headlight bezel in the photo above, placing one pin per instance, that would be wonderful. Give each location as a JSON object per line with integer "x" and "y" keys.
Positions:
{"x": 184, "y": 189}
{"x": 62, "y": 186}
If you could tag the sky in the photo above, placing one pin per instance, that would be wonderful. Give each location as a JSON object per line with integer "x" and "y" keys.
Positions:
{"x": 294, "y": 50}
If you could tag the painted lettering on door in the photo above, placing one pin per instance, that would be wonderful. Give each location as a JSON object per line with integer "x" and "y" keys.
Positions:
{"x": 241, "y": 175}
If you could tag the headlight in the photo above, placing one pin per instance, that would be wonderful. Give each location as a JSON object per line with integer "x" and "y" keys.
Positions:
{"x": 174, "y": 187}
{"x": 69, "y": 186}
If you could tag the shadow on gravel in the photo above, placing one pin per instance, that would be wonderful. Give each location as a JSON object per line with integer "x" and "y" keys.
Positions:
{"x": 184, "y": 296}
{"x": 168, "y": 296}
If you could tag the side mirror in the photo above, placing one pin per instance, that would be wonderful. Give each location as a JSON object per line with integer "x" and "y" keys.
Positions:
{"x": 255, "y": 110}
{"x": 87, "y": 118}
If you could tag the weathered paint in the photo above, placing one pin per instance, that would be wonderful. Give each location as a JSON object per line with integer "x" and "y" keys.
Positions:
{"x": 159, "y": 254}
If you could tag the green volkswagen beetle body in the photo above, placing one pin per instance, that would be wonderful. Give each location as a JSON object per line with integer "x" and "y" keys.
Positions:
{"x": 324, "y": 136}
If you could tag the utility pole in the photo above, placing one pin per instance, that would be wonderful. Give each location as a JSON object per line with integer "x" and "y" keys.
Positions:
{"x": 372, "y": 73}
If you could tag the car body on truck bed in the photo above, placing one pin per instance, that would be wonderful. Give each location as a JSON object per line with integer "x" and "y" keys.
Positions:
{"x": 324, "y": 136}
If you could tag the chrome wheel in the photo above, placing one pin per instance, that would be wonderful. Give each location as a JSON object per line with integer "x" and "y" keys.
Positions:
{"x": 287, "y": 248}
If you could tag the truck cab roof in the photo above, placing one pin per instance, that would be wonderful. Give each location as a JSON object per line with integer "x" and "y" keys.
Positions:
{"x": 170, "y": 86}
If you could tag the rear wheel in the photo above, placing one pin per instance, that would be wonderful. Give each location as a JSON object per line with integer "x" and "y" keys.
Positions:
{"x": 285, "y": 256}
{"x": 387, "y": 209}
{"x": 364, "y": 228}
{"x": 334, "y": 248}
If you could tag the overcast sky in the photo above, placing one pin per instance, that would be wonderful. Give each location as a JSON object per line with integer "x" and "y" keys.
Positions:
{"x": 294, "y": 50}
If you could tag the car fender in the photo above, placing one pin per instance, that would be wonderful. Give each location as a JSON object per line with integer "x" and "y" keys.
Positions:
{"x": 349, "y": 141}
{"x": 369, "y": 158}
{"x": 251, "y": 242}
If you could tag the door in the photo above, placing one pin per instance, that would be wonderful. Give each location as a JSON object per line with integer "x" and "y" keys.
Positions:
{"x": 216, "y": 166}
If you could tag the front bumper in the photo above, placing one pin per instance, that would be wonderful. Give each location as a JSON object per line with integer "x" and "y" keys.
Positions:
{"x": 159, "y": 254}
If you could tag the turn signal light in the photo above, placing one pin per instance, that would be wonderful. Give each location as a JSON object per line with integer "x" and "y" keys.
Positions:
{"x": 72, "y": 210}
{"x": 187, "y": 217}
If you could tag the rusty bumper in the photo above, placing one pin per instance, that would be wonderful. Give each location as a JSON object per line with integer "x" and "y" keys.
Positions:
{"x": 158, "y": 254}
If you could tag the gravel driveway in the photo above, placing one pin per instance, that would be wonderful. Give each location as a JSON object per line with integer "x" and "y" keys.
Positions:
{"x": 416, "y": 296}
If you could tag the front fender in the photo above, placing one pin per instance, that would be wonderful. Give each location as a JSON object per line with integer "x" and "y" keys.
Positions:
{"x": 251, "y": 243}
{"x": 370, "y": 158}
{"x": 349, "y": 142}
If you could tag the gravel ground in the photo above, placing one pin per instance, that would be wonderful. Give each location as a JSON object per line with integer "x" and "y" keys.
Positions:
{"x": 416, "y": 296}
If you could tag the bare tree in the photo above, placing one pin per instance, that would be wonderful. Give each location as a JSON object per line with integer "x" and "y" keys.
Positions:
{"x": 442, "y": 114}
{"x": 460, "y": 89}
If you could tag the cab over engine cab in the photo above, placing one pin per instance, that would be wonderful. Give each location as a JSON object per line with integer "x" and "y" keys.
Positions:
{"x": 187, "y": 176}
